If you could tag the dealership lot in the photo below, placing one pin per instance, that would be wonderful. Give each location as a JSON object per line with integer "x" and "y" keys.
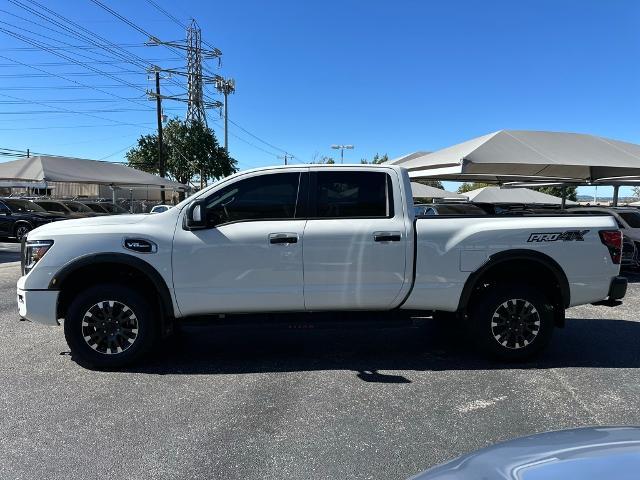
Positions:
{"x": 375, "y": 404}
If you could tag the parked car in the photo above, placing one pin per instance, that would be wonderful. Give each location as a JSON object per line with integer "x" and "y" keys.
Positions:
{"x": 160, "y": 208}
{"x": 627, "y": 219}
{"x": 59, "y": 208}
{"x": 458, "y": 208}
{"x": 96, "y": 207}
{"x": 112, "y": 208}
{"x": 80, "y": 208}
{"x": 18, "y": 217}
{"x": 630, "y": 259}
{"x": 235, "y": 248}
{"x": 588, "y": 453}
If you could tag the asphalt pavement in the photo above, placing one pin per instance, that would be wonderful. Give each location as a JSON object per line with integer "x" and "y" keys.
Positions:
{"x": 308, "y": 404}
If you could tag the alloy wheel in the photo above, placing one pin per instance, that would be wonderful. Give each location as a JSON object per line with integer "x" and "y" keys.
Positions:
{"x": 515, "y": 323}
{"x": 109, "y": 327}
{"x": 22, "y": 232}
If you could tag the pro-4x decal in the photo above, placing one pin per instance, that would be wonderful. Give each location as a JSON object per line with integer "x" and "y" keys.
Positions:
{"x": 568, "y": 236}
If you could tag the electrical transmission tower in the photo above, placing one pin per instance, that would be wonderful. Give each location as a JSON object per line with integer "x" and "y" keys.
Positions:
{"x": 195, "y": 105}
{"x": 196, "y": 80}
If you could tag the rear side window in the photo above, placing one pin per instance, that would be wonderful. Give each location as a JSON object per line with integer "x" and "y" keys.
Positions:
{"x": 270, "y": 197}
{"x": 352, "y": 195}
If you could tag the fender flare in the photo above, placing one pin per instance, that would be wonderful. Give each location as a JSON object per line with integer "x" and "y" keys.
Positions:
{"x": 511, "y": 255}
{"x": 123, "y": 259}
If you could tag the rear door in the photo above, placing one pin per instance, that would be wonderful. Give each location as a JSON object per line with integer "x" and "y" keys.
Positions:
{"x": 355, "y": 240}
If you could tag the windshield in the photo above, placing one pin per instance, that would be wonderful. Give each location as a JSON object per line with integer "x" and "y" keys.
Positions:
{"x": 112, "y": 208}
{"x": 459, "y": 210}
{"x": 78, "y": 207}
{"x": 96, "y": 207}
{"x": 22, "y": 206}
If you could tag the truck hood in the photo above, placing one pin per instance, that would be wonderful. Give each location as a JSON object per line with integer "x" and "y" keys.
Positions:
{"x": 62, "y": 227}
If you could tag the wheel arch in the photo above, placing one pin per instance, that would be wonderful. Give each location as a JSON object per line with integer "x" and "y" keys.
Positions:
{"x": 543, "y": 265}
{"x": 75, "y": 273}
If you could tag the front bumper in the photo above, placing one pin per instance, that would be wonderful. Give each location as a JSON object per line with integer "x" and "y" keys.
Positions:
{"x": 38, "y": 305}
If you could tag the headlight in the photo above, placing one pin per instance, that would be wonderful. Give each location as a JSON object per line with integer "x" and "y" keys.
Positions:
{"x": 33, "y": 251}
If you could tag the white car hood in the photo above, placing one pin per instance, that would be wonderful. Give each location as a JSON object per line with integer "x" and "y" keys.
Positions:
{"x": 64, "y": 225}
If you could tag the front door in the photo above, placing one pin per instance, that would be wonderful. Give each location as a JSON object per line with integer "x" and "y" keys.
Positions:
{"x": 355, "y": 240}
{"x": 250, "y": 259}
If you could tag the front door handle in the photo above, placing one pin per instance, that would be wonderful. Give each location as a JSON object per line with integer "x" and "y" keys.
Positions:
{"x": 283, "y": 238}
{"x": 386, "y": 236}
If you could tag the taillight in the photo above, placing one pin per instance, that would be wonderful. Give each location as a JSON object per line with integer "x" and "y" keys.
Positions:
{"x": 613, "y": 240}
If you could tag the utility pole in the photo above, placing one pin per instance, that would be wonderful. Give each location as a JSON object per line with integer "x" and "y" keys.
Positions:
{"x": 342, "y": 148}
{"x": 161, "y": 165}
{"x": 196, "y": 103}
{"x": 286, "y": 157}
{"x": 227, "y": 86}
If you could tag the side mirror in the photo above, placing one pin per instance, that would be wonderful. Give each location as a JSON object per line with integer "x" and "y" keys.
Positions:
{"x": 195, "y": 218}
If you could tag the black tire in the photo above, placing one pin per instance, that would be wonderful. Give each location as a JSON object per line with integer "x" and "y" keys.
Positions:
{"x": 502, "y": 322}
{"x": 134, "y": 334}
{"x": 21, "y": 230}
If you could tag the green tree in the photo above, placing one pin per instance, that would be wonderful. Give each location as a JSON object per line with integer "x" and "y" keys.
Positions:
{"x": 467, "y": 187}
{"x": 322, "y": 160}
{"x": 144, "y": 156}
{"x": 377, "y": 159}
{"x": 429, "y": 183}
{"x": 572, "y": 192}
{"x": 190, "y": 149}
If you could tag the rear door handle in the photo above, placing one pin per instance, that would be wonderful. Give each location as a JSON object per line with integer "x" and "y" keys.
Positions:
{"x": 386, "y": 236}
{"x": 283, "y": 238}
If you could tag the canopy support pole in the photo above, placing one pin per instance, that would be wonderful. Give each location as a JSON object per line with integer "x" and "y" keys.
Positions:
{"x": 616, "y": 190}
{"x": 564, "y": 198}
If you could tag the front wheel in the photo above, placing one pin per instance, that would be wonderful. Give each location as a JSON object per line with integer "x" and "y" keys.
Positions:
{"x": 511, "y": 323}
{"x": 109, "y": 326}
{"x": 21, "y": 231}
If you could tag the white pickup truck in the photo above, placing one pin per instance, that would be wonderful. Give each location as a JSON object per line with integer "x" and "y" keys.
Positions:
{"x": 313, "y": 239}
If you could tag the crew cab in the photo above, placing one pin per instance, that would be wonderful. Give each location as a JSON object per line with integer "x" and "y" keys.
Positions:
{"x": 309, "y": 239}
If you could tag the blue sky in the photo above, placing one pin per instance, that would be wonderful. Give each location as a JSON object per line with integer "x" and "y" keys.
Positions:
{"x": 387, "y": 76}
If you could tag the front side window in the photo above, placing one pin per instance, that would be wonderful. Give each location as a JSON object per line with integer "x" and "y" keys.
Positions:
{"x": 262, "y": 197}
{"x": 353, "y": 194}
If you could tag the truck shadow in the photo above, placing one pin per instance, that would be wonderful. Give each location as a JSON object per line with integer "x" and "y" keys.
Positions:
{"x": 632, "y": 276}
{"x": 592, "y": 343}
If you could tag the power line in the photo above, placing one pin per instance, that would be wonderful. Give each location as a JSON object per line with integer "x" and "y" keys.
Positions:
{"x": 62, "y": 109}
{"x": 71, "y": 80}
{"x": 166, "y": 14}
{"x": 119, "y": 151}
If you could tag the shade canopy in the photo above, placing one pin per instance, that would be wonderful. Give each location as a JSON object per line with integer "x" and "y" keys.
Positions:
{"x": 514, "y": 195}
{"x": 40, "y": 169}
{"x": 406, "y": 158}
{"x": 425, "y": 191}
{"x": 523, "y": 155}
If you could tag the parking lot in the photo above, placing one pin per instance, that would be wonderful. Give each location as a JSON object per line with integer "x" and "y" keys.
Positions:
{"x": 375, "y": 404}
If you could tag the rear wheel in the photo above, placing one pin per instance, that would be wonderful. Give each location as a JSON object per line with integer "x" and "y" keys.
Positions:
{"x": 109, "y": 326}
{"x": 511, "y": 323}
